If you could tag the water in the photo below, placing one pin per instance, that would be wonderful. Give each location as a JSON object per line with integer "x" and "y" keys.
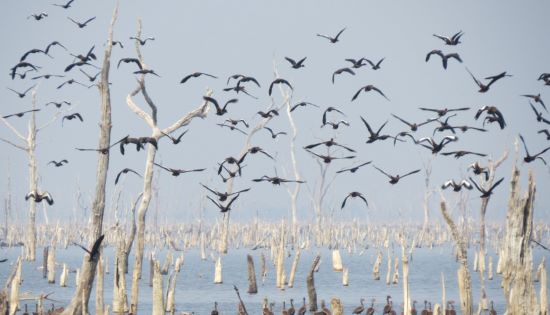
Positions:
{"x": 196, "y": 292}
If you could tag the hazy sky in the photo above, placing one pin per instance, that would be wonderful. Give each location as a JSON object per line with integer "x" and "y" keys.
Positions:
{"x": 227, "y": 37}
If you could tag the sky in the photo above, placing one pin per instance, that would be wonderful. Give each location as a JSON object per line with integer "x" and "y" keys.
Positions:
{"x": 252, "y": 37}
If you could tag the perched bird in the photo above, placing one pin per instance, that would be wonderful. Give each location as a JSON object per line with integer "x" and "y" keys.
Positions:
{"x": 374, "y": 136}
{"x": 94, "y": 252}
{"x": 493, "y": 112}
{"x": 268, "y": 114}
{"x": 177, "y": 139}
{"x": 196, "y": 75}
{"x": 254, "y": 150}
{"x": 546, "y": 132}
{"x": 370, "y": 310}
{"x": 177, "y": 172}
{"x": 21, "y": 95}
{"x": 451, "y": 41}
{"x": 82, "y": 24}
{"x": 22, "y": 64}
{"x": 66, "y": 5}
{"x": 21, "y": 114}
{"x": 38, "y": 16}
{"x": 215, "y": 310}
{"x": 296, "y": 64}
{"x": 340, "y": 71}
{"x": 539, "y": 115}
{"x": 279, "y": 81}
{"x": 124, "y": 171}
{"x": 302, "y": 104}
{"x": 332, "y": 39}
{"x": 435, "y": 146}
{"x": 536, "y": 99}
{"x": 146, "y": 71}
{"x": 274, "y": 135}
{"x": 444, "y": 111}
{"x": 220, "y": 111}
{"x": 38, "y": 197}
{"x": 457, "y": 186}
{"x": 129, "y": 60}
{"x": 354, "y": 168}
{"x": 225, "y": 195}
{"x": 327, "y": 158}
{"x": 223, "y": 208}
{"x": 530, "y": 158}
{"x": 328, "y": 143}
{"x": 354, "y": 194}
{"x": 388, "y": 306}
{"x": 142, "y": 42}
{"x": 58, "y": 164}
{"x": 276, "y": 180}
{"x": 368, "y": 88}
{"x": 486, "y": 193}
{"x": 302, "y": 310}
{"x": 328, "y": 110}
{"x": 32, "y": 51}
{"x": 444, "y": 58}
{"x": 458, "y": 154}
{"x": 375, "y": 66}
{"x": 414, "y": 126}
{"x": 291, "y": 309}
{"x": 478, "y": 169}
{"x": 395, "y": 179}
{"x": 71, "y": 117}
{"x": 492, "y": 79}
{"x": 232, "y": 127}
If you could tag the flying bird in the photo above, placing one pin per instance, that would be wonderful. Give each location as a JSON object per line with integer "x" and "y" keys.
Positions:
{"x": 38, "y": 197}
{"x": 54, "y": 43}
{"x": 335, "y": 125}
{"x": 47, "y": 76}
{"x": 485, "y": 193}
{"x": 340, "y": 71}
{"x": 444, "y": 58}
{"x": 69, "y": 82}
{"x": 279, "y": 81}
{"x": 269, "y": 114}
{"x": 38, "y": 17}
{"x": 395, "y": 179}
{"x": 32, "y": 51}
{"x": 21, "y": 95}
{"x": 539, "y": 115}
{"x": 328, "y": 144}
{"x": 492, "y": 79}
{"x": 368, "y": 88}
{"x": 327, "y": 158}
{"x": 332, "y": 39}
{"x": 58, "y": 164}
{"x": 177, "y": 172}
{"x": 256, "y": 149}
{"x": 536, "y": 99}
{"x": 82, "y": 24}
{"x": 139, "y": 142}
{"x": 530, "y": 158}
{"x": 459, "y": 154}
{"x": 457, "y": 186}
{"x": 235, "y": 122}
{"x": 124, "y": 171}
{"x": 375, "y": 66}
{"x": 91, "y": 78}
{"x": 354, "y": 194}
{"x": 374, "y": 136}
{"x": 142, "y": 42}
{"x": 94, "y": 252}
{"x": 233, "y": 161}
{"x": 223, "y": 196}
{"x": 196, "y": 75}
{"x": 71, "y": 117}
{"x": 276, "y": 180}
{"x": 146, "y": 71}
{"x": 478, "y": 169}
{"x": 493, "y": 112}
{"x": 21, "y": 114}
{"x": 444, "y": 111}
{"x": 546, "y": 132}
{"x": 296, "y": 64}
{"x": 106, "y": 149}
{"x": 129, "y": 60}
{"x": 413, "y": 126}
{"x": 451, "y": 41}
{"x": 353, "y": 169}
{"x": 59, "y": 104}
{"x": 220, "y": 111}
{"x": 22, "y": 64}
{"x": 328, "y": 110}
{"x": 232, "y": 127}
{"x": 223, "y": 208}
{"x": 66, "y": 5}
{"x": 274, "y": 135}
{"x": 302, "y": 104}
{"x": 177, "y": 139}
{"x": 435, "y": 146}
{"x": 356, "y": 63}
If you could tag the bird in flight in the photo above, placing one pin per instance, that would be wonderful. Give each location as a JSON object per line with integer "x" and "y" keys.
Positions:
{"x": 82, "y": 24}
{"x": 196, "y": 75}
{"x": 66, "y": 5}
{"x": 459, "y": 154}
{"x": 444, "y": 58}
{"x": 452, "y": 40}
{"x": 223, "y": 208}
{"x": 328, "y": 144}
{"x": 374, "y": 136}
{"x": 142, "y": 41}
{"x": 38, "y": 17}
{"x": 354, "y": 194}
{"x": 128, "y": 60}
{"x": 125, "y": 171}
{"x": 279, "y": 81}
{"x": 21, "y": 95}
{"x": 21, "y": 114}
{"x": 71, "y": 117}
{"x": 94, "y": 252}
{"x": 327, "y": 158}
{"x": 177, "y": 139}
{"x": 368, "y": 88}
{"x": 413, "y": 126}
{"x": 333, "y": 39}
{"x": 435, "y": 146}
{"x": 457, "y": 186}
{"x": 276, "y": 180}
{"x": 232, "y": 127}
{"x": 38, "y": 197}
{"x": 256, "y": 149}
{"x": 274, "y": 134}
{"x": 223, "y": 196}
{"x": 493, "y": 114}
{"x": 485, "y": 193}
{"x": 540, "y": 118}
{"x": 340, "y": 71}
{"x": 58, "y": 164}
{"x": 22, "y": 64}
{"x": 177, "y": 172}
{"x": 536, "y": 99}
{"x": 530, "y": 158}
{"x": 302, "y": 104}
{"x": 395, "y": 179}
{"x": 478, "y": 170}
{"x": 354, "y": 168}
{"x": 375, "y": 66}
{"x": 492, "y": 79}
{"x": 220, "y": 111}
{"x": 546, "y": 132}
{"x": 296, "y": 64}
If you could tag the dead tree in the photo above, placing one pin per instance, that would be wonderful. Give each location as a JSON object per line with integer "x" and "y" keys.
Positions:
{"x": 157, "y": 134}
{"x": 426, "y": 203}
{"x": 317, "y": 197}
{"x": 30, "y": 148}
{"x": 79, "y": 302}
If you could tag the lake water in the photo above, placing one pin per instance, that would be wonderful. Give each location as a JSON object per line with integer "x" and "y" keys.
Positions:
{"x": 196, "y": 292}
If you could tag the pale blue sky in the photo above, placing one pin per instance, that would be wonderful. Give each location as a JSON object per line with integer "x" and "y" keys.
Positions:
{"x": 224, "y": 38}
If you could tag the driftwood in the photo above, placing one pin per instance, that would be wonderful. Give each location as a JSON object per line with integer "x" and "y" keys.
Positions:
{"x": 311, "y": 292}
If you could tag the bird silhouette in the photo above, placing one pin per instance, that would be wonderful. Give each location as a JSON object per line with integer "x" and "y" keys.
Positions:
{"x": 220, "y": 111}
{"x": 374, "y": 136}
{"x": 66, "y": 5}
{"x": 444, "y": 57}
{"x": 177, "y": 172}
{"x": 328, "y": 110}
{"x": 94, "y": 252}
{"x": 328, "y": 143}
{"x": 536, "y": 99}
{"x": 492, "y": 79}
{"x": 125, "y": 171}
{"x": 177, "y": 139}
{"x": 335, "y": 125}
{"x": 355, "y": 194}
{"x": 413, "y": 126}
{"x": 435, "y": 146}
{"x": 452, "y": 40}
{"x": 296, "y": 64}
{"x": 24, "y": 93}
{"x": 302, "y": 104}
{"x": 38, "y": 197}
{"x": 334, "y": 39}
{"x": 530, "y": 158}
{"x": 58, "y": 164}
{"x": 356, "y": 63}
{"x": 486, "y": 193}
{"x": 223, "y": 196}
{"x": 59, "y": 104}
{"x": 340, "y": 71}
{"x": 478, "y": 169}
{"x": 21, "y": 114}
{"x": 82, "y": 24}
{"x": 106, "y": 149}
{"x": 71, "y": 117}
{"x": 142, "y": 42}
{"x": 91, "y": 78}
{"x": 47, "y": 76}
{"x": 493, "y": 114}
{"x": 546, "y": 132}
{"x": 22, "y": 64}
{"x": 233, "y": 161}
{"x": 375, "y": 66}
{"x": 279, "y": 81}
{"x": 269, "y": 114}
{"x": 256, "y": 149}
{"x": 223, "y": 208}
{"x": 139, "y": 142}
{"x": 52, "y": 44}
{"x": 38, "y": 16}
{"x": 196, "y": 75}
{"x": 368, "y": 88}
{"x": 353, "y": 169}
{"x": 235, "y": 122}
{"x": 539, "y": 115}
{"x": 146, "y": 71}
{"x": 276, "y": 180}
{"x": 461, "y": 153}
{"x": 395, "y": 179}
{"x": 69, "y": 82}
{"x": 32, "y": 51}
{"x": 274, "y": 135}
{"x": 327, "y": 158}
{"x": 232, "y": 127}
{"x": 129, "y": 60}
{"x": 444, "y": 111}
{"x": 457, "y": 186}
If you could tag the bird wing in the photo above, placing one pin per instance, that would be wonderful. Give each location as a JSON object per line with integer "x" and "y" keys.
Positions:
{"x": 325, "y": 36}
{"x": 381, "y": 127}
{"x": 476, "y": 186}
{"x": 75, "y": 22}
{"x": 231, "y": 201}
{"x": 435, "y": 51}
{"x": 495, "y": 185}
{"x": 367, "y": 125}
{"x": 381, "y": 171}
{"x": 292, "y": 62}
{"x": 364, "y": 199}
{"x": 213, "y": 101}
{"x": 77, "y": 115}
{"x": 357, "y": 94}
{"x": 410, "y": 173}
{"x": 380, "y": 92}
{"x": 402, "y": 120}
{"x": 475, "y": 80}
{"x": 187, "y": 77}
{"x": 447, "y": 184}
{"x": 118, "y": 176}
{"x": 88, "y": 21}
{"x": 339, "y": 33}
{"x": 524, "y": 145}
{"x": 344, "y": 202}
{"x": 164, "y": 168}
{"x": 466, "y": 184}
{"x": 542, "y": 152}
{"x": 444, "y": 38}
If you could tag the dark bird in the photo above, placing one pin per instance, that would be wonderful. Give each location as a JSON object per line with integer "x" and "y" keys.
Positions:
{"x": 539, "y": 115}
{"x": 332, "y": 39}
{"x": 444, "y": 111}
{"x": 22, "y": 64}
{"x": 116, "y": 42}
{"x": 268, "y": 114}
{"x": 177, "y": 139}
{"x": 124, "y": 171}
{"x": 47, "y": 76}
{"x": 233, "y": 161}
{"x": 24, "y": 74}
{"x": 50, "y": 45}
{"x": 374, "y": 136}
{"x": 494, "y": 113}
{"x": 32, "y": 51}
{"x": 530, "y": 158}
{"x": 244, "y": 79}
{"x": 279, "y": 81}
{"x": 544, "y": 76}
{"x": 395, "y": 179}
{"x": 64, "y": 6}
{"x": 444, "y": 125}
{"x": 276, "y": 180}
{"x": 235, "y": 122}
{"x": 139, "y": 142}
{"x": 492, "y": 79}
{"x": 328, "y": 143}
{"x": 82, "y": 24}
{"x": 94, "y": 252}
{"x": 142, "y": 41}
{"x": 354, "y": 194}
{"x": 388, "y": 307}
{"x": 361, "y": 308}
{"x": 196, "y": 75}
{"x": 215, "y": 310}
{"x": 71, "y": 117}
{"x": 536, "y": 99}
{"x": 328, "y": 110}
{"x": 231, "y": 174}
{"x": 486, "y": 193}
{"x": 69, "y": 82}
{"x": 274, "y": 135}
{"x": 296, "y": 64}
{"x": 232, "y": 127}
{"x": 76, "y": 64}
{"x": 546, "y": 132}
{"x": 222, "y": 207}
{"x": 444, "y": 58}
{"x": 356, "y": 63}
{"x": 413, "y": 126}
{"x": 91, "y": 78}
{"x": 302, "y": 310}
{"x": 340, "y": 71}
{"x": 21, "y": 95}
{"x": 38, "y": 197}
{"x": 478, "y": 170}
{"x": 223, "y": 196}
{"x": 435, "y": 146}
{"x": 38, "y": 17}
{"x": 128, "y": 60}
{"x": 459, "y": 154}
{"x": 220, "y": 111}
{"x": 337, "y": 124}
{"x": 146, "y": 71}
{"x": 21, "y": 114}
{"x": 59, "y": 104}
{"x": 105, "y": 150}
{"x": 466, "y": 128}
{"x": 58, "y": 164}
{"x": 239, "y": 88}
{"x": 457, "y": 186}
{"x": 89, "y": 56}
{"x": 375, "y": 66}
{"x": 353, "y": 169}
{"x": 3, "y": 260}
{"x": 254, "y": 150}
{"x": 368, "y": 88}
{"x": 370, "y": 310}
{"x": 177, "y": 172}
{"x": 327, "y": 158}
{"x": 453, "y": 40}
{"x": 302, "y": 104}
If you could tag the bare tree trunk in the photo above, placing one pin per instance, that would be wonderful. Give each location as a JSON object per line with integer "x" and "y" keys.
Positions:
{"x": 426, "y": 203}
{"x": 311, "y": 292}
{"x": 99, "y": 301}
{"x": 130, "y": 239}
{"x": 294, "y": 193}
{"x": 88, "y": 268}
{"x": 252, "y": 285}
{"x": 30, "y": 245}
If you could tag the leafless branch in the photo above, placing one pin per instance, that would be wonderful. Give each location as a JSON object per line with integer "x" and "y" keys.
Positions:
{"x": 13, "y": 144}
